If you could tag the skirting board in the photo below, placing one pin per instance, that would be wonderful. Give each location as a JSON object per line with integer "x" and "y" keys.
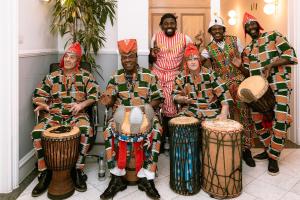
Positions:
{"x": 26, "y": 165}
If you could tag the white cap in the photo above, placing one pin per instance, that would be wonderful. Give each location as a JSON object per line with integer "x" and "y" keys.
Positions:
{"x": 216, "y": 21}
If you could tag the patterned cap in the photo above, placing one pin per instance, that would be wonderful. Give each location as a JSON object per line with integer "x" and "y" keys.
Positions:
{"x": 250, "y": 18}
{"x": 73, "y": 48}
{"x": 216, "y": 21}
{"x": 127, "y": 46}
{"x": 190, "y": 50}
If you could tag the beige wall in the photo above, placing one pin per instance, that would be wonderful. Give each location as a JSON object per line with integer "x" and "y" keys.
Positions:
{"x": 276, "y": 21}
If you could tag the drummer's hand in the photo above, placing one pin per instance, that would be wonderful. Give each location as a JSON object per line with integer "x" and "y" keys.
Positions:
{"x": 76, "y": 108}
{"x": 267, "y": 70}
{"x": 106, "y": 99}
{"x": 41, "y": 106}
{"x": 221, "y": 116}
{"x": 184, "y": 100}
{"x": 236, "y": 62}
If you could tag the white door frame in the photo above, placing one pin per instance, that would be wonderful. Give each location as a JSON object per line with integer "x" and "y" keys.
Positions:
{"x": 9, "y": 101}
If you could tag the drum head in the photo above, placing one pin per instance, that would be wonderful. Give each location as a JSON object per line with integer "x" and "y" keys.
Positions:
{"x": 183, "y": 120}
{"x": 53, "y": 132}
{"x": 258, "y": 86}
{"x": 227, "y": 125}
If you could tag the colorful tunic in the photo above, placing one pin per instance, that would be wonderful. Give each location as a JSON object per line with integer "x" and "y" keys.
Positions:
{"x": 167, "y": 65}
{"x": 59, "y": 92}
{"x": 221, "y": 60}
{"x": 269, "y": 47}
{"x": 208, "y": 91}
{"x": 143, "y": 90}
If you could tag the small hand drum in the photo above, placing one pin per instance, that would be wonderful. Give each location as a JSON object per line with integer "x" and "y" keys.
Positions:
{"x": 61, "y": 145}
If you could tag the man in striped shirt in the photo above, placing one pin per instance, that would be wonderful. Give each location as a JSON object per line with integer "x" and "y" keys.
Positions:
{"x": 167, "y": 48}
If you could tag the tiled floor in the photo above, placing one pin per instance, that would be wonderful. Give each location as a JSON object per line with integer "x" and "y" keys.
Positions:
{"x": 257, "y": 184}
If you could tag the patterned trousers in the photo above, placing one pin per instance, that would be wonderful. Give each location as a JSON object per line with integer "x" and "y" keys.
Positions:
{"x": 80, "y": 120}
{"x": 274, "y": 138}
{"x": 151, "y": 146}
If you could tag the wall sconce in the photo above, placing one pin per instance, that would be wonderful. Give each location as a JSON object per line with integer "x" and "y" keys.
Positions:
{"x": 232, "y": 17}
{"x": 270, "y": 7}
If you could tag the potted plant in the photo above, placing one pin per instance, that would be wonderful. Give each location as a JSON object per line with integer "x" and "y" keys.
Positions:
{"x": 83, "y": 21}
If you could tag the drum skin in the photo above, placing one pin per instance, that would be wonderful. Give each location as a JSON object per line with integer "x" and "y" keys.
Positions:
{"x": 185, "y": 170}
{"x": 61, "y": 153}
{"x": 221, "y": 158}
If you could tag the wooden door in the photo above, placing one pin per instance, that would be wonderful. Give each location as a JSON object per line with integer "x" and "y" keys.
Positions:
{"x": 193, "y": 16}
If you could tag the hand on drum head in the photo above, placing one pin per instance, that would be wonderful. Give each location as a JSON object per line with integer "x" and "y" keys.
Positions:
{"x": 76, "y": 108}
{"x": 267, "y": 70}
{"x": 41, "y": 106}
{"x": 184, "y": 100}
{"x": 221, "y": 116}
{"x": 236, "y": 62}
{"x": 106, "y": 99}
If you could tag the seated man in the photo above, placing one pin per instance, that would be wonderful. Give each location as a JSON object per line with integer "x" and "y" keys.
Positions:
{"x": 131, "y": 86}
{"x": 200, "y": 90}
{"x": 64, "y": 94}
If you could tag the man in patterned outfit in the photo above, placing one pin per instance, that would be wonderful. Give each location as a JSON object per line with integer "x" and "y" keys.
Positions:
{"x": 269, "y": 54}
{"x": 132, "y": 86}
{"x": 222, "y": 51}
{"x": 64, "y": 94}
{"x": 200, "y": 89}
{"x": 167, "y": 48}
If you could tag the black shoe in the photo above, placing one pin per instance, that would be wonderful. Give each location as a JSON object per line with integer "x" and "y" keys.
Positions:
{"x": 273, "y": 168}
{"x": 247, "y": 157}
{"x": 261, "y": 156}
{"x": 44, "y": 181}
{"x": 79, "y": 179}
{"x": 149, "y": 187}
{"x": 115, "y": 185}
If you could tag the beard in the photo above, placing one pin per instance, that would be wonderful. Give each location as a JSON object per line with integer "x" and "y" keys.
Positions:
{"x": 170, "y": 32}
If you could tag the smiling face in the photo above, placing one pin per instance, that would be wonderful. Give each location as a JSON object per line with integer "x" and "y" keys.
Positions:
{"x": 193, "y": 63}
{"x": 217, "y": 32}
{"x": 169, "y": 26}
{"x": 70, "y": 60}
{"x": 129, "y": 61}
{"x": 252, "y": 29}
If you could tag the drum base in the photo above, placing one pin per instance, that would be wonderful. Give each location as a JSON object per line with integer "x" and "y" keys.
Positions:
{"x": 61, "y": 185}
{"x": 131, "y": 175}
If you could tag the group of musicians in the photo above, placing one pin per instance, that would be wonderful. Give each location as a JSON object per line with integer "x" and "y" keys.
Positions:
{"x": 203, "y": 92}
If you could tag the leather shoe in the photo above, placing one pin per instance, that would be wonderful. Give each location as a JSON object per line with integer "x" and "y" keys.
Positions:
{"x": 78, "y": 177}
{"x": 273, "y": 168}
{"x": 115, "y": 185}
{"x": 149, "y": 187}
{"x": 44, "y": 180}
{"x": 247, "y": 157}
{"x": 262, "y": 156}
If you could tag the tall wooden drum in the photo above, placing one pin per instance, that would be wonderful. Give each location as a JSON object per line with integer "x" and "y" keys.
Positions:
{"x": 185, "y": 170}
{"x": 221, "y": 156}
{"x": 61, "y": 145}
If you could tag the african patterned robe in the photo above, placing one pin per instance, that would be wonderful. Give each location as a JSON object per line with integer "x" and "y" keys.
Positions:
{"x": 207, "y": 90}
{"x": 143, "y": 90}
{"x": 59, "y": 91}
{"x": 221, "y": 61}
{"x": 258, "y": 54}
{"x": 167, "y": 66}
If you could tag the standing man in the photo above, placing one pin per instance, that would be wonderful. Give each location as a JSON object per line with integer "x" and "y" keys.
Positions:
{"x": 270, "y": 55}
{"x": 167, "y": 48}
{"x": 223, "y": 50}
{"x": 132, "y": 86}
{"x": 65, "y": 94}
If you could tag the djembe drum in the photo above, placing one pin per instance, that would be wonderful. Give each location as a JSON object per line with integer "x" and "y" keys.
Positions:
{"x": 221, "y": 157}
{"x": 61, "y": 145}
{"x": 132, "y": 124}
{"x": 185, "y": 170}
{"x": 256, "y": 92}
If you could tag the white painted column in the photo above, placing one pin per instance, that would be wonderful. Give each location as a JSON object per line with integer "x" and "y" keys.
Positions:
{"x": 133, "y": 23}
{"x": 294, "y": 39}
{"x": 9, "y": 142}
